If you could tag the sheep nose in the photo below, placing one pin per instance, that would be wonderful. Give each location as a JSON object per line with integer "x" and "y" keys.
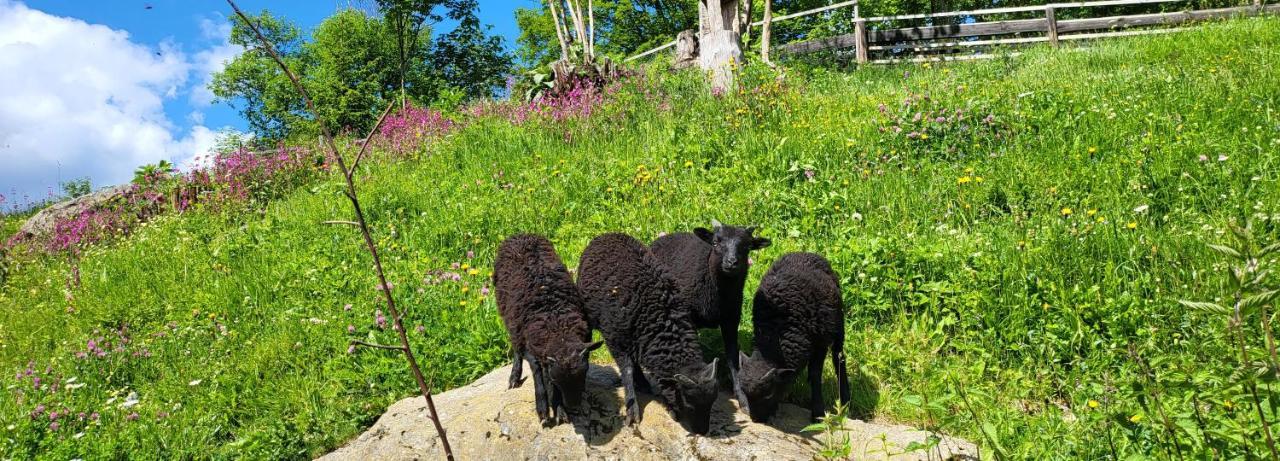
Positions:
{"x": 731, "y": 261}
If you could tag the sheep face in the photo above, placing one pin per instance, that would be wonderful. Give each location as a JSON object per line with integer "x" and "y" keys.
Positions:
{"x": 568, "y": 372}
{"x": 690, "y": 396}
{"x": 760, "y": 386}
{"x": 730, "y": 246}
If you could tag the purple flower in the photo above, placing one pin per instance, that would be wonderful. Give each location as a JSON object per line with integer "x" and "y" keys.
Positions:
{"x": 94, "y": 416}
{"x": 54, "y": 426}
{"x": 808, "y": 174}
{"x": 470, "y": 254}
{"x": 421, "y": 329}
{"x": 380, "y": 319}
{"x": 39, "y": 410}
{"x": 132, "y": 416}
{"x": 351, "y": 349}
{"x": 484, "y": 290}
{"x": 347, "y": 307}
{"x": 351, "y": 328}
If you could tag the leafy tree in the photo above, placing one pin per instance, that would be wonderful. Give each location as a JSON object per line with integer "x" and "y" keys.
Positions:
{"x": 254, "y": 84}
{"x": 469, "y": 59}
{"x": 76, "y": 187}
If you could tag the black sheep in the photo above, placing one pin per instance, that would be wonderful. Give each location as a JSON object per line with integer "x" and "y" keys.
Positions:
{"x": 797, "y": 315}
{"x": 542, "y": 310}
{"x": 628, "y": 297}
{"x": 709, "y": 268}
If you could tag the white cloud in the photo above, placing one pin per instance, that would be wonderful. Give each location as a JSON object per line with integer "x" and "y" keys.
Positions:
{"x": 212, "y": 60}
{"x": 84, "y": 100}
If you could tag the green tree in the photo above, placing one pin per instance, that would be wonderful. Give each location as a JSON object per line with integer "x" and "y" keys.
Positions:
{"x": 470, "y": 59}
{"x": 254, "y": 85}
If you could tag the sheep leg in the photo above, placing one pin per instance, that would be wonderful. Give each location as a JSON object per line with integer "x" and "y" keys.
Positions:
{"x": 539, "y": 391}
{"x": 842, "y": 371}
{"x": 559, "y": 413}
{"x": 628, "y": 370}
{"x": 637, "y": 376}
{"x": 729, "y": 332}
{"x": 816, "y": 406}
{"x": 517, "y": 370}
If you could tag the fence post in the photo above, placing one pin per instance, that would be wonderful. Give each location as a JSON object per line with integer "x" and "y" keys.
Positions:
{"x": 1052, "y": 25}
{"x": 860, "y": 39}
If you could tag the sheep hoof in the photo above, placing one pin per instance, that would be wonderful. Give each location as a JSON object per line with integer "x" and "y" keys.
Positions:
{"x": 515, "y": 382}
{"x": 550, "y": 422}
{"x": 631, "y": 420}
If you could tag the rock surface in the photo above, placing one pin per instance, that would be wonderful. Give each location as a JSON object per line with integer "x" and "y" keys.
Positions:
{"x": 485, "y": 420}
{"x": 43, "y": 222}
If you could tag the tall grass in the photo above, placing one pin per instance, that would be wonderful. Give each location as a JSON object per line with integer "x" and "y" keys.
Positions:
{"x": 1029, "y": 252}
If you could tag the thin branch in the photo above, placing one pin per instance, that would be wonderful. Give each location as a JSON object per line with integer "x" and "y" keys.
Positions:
{"x": 364, "y": 230}
{"x": 364, "y": 146}
{"x": 344, "y": 223}
{"x": 377, "y": 346}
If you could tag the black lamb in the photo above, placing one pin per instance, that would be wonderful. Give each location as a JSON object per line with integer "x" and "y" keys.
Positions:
{"x": 709, "y": 268}
{"x": 628, "y": 298}
{"x": 542, "y": 310}
{"x": 798, "y": 314}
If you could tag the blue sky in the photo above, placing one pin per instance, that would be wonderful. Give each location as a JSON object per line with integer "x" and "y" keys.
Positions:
{"x": 104, "y": 86}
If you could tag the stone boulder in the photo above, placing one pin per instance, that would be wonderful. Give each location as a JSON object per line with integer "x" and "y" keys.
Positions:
{"x": 43, "y": 222}
{"x": 485, "y": 420}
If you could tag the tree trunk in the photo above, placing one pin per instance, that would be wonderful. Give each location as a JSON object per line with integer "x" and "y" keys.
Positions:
{"x": 558, "y": 19}
{"x": 764, "y": 31}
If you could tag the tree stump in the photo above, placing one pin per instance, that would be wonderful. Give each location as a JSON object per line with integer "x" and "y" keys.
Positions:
{"x": 686, "y": 50}
{"x": 720, "y": 40}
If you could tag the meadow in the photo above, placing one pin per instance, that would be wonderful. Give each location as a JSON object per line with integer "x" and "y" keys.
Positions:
{"x": 1012, "y": 237}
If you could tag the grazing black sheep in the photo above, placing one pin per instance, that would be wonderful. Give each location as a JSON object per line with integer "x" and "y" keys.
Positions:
{"x": 628, "y": 297}
{"x": 797, "y": 315}
{"x": 709, "y": 268}
{"x": 543, "y": 313}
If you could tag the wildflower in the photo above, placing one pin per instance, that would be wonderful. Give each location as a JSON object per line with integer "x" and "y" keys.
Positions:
{"x": 132, "y": 416}
{"x": 473, "y": 271}
{"x": 1204, "y": 158}
{"x": 1141, "y": 209}
{"x": 53, "y": 426}
{"x": 462, "y": 303}
{"x": 351, "y": 349}
{"x": 1093, "y": 150}
{"x": 465, "y": 266}
{"x": 380, "y": 319}
{"x": 1222, "y": 158}
{"x": 964, "y": 180}
{"x": 924, "y": 136}
{"x": 421, "y": 329}
{"x": 1093, "y": 403}
{"x": 977, "y": 179}
{"x": 484, "y": 291}
{"x": 194, "y": 382}
{"x": 1066, "y": 212}
{"x": 347, "y": 307}
{"x": 1135, "y": 419}
{"x": 688, "y": 164}
{"x": 1228, "y": 404}
{"x": 471, "y": 254}
{"x": 1132, "y": 225}
{"x": 351, "y": 328}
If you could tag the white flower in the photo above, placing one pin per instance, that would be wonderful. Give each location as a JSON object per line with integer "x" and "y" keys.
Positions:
{"x": 1141, "y": 209}
{"x": 1222, "y": 157}
{"x": 195, "y": 382}
{"x": 131, "y": 400}
{"x": 75, "y": 386}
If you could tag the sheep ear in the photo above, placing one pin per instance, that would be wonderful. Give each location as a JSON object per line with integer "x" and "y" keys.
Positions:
{"x": 685, "y": 380}
{"x": 709, "y": 373}
{"x": 586, "y": 351}
{"x": 704, "y": 234}
{"x": 760, "y": 242}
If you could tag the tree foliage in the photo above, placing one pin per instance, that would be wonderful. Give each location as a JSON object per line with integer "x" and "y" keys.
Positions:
{"x": 356, "y": 63}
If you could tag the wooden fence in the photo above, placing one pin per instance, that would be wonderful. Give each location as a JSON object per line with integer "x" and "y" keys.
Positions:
{"x": 958, "y": 41}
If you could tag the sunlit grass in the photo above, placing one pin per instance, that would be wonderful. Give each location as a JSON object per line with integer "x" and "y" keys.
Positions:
{"x": 961, "y": 263}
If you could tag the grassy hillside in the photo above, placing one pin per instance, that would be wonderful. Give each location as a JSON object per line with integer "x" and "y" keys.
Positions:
{"x": 1009, "y": 274}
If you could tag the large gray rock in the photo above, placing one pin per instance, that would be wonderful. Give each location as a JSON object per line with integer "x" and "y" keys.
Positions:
{"x": 42, "y": 223}
{"x": 485, "y": 420}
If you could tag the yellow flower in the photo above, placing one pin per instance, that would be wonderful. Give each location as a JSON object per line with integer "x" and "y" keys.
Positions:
{"x": 1135, "y": 419}
{"x": 465, "y": 266}
{"x": 609, "y": 189}
{"x": 1092, "y": 211}
{"x": 1228, "y": 404}
{"x": 462, "y": 303}
{"x": 1093, "y": 150}
{"x": 465, "y": 289}
{"x": 968, "y": 170}
{"x": 1066, "y": 211}
{"x": 688, "y": 164}
{"x": 977, "y": 179}
{"x": 1093, "y": 403}
{"x": 964, "y": 180}
{"x": 924, "y": 136}
{"x": 473, "y": 271}
{"x": 1132, "y": 225}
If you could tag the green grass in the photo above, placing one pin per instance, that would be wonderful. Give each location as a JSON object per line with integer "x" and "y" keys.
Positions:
{"x": 981, "y": 285}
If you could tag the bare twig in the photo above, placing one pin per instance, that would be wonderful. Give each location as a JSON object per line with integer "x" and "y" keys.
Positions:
{"x": 377, "y": 346}
{"x": 364, "y": 146}
{"x": 364, "y": 229}
{"x": 345, "y": 223}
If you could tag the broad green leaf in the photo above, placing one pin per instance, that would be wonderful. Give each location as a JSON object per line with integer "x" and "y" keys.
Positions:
{"x": 1205, "y": 306}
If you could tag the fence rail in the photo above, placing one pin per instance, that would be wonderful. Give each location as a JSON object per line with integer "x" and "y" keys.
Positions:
{"x": 943, "y": 38}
